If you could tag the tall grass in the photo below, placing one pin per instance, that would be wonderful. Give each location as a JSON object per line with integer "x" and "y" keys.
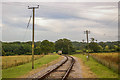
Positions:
{"x": 108, "y": 59}
{"x": 100, "y": 70}
{"x": 18, "y": 71}
{"x": 11, "y": 61}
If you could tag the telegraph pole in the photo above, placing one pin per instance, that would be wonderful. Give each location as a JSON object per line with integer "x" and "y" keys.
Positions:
{"x": 83, "y": 46}
{"x": 87, "y": 32}
{"x": 33, "y": 8}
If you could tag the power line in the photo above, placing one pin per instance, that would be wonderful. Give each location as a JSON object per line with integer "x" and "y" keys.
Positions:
{"x": 27, "y": 27}
{"x": 29, "y": 22}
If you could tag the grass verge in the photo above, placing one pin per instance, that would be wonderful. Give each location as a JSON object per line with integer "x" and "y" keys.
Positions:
{"x": 24, "y": 69}
{"x": 100, "y": 70}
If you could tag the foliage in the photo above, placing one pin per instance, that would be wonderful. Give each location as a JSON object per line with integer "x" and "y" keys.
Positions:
{"x": 47, "y": 47}
{"x": 15, "y": 48}
{"x": 102, "y": 44}
{"x": 64, "y": 45}
{"x": 107, "y": 48}
{"x": 25, "y": 48}
{"x": 95, "y": 47}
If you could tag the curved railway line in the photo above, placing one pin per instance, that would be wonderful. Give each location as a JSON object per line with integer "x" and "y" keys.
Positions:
{"x": 60, "y": 72}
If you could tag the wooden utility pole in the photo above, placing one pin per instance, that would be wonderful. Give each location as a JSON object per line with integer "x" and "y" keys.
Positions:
{"x": 87, "y": 32}
{"x": 33, "y": 34}
{"x": 83, "y": 46}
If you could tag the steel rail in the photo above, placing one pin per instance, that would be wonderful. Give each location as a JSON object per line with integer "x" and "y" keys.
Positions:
{"x": 47, "y": 73}
{"x": 69, "y": 69}
{"x": 66, "y": 73}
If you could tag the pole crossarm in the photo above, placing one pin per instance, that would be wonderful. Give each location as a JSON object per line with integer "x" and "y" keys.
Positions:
{"x": 33, "y": 7}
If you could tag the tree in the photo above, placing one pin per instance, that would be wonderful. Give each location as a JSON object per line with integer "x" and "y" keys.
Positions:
{"x": 92, "y": 39}
{"x": 95, "y": 47}
{"x": 96, "y": 40}
{"x": 83, "y": 40}
{"x": 107, "y": 48}
{"x": 37, "y": 50}
{"x": 65, "y": 45}
{"x": 37, "y": 44}
{"x": 52, "y": 46}
{"x": 116, "y": 48}
{"x": 3, "y": 53}
{"x": 100, "y": 48}
{"x": 47, "y": 47}
{"x": 102, "y": 44}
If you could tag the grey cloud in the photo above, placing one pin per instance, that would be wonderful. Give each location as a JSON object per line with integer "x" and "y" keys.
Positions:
{"x": 60, "y": 12}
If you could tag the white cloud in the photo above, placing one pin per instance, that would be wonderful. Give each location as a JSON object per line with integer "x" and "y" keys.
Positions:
{"x": 58, "y": 20}
{"x": 51, "y": 24}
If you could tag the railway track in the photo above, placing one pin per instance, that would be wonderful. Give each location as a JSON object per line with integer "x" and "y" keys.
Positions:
{"x": 60, "y": 72}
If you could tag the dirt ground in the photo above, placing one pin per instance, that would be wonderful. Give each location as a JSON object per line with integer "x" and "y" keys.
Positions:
{"x": 76, "y": 70}
{"x": 85, "y": 71}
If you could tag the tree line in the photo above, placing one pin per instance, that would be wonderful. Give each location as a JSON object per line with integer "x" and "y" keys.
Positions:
{"x": 64, "y": 45}
{"x": 95, "y": 46}
{"x": 44, "y": 47}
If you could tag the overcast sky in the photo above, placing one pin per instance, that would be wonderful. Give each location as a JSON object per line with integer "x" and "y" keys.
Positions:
{"x": 54, "y": 21}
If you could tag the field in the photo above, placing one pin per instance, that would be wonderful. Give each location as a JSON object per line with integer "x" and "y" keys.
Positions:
{"x": 20, "y": 70}
{"x": 97, "y": 68}
{"x": 10, "y": 61}
{"x": 108, "y": 59}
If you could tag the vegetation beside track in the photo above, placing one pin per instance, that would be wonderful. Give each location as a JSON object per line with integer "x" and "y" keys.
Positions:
{"x": 100, "y": 70}
{"x": 25, "y": 68}
{"x": 11, "y": 61}
{"x": 109, "y": 60}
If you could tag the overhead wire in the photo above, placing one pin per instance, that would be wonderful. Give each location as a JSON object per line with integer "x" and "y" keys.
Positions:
{"x": 27, "y": 28}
